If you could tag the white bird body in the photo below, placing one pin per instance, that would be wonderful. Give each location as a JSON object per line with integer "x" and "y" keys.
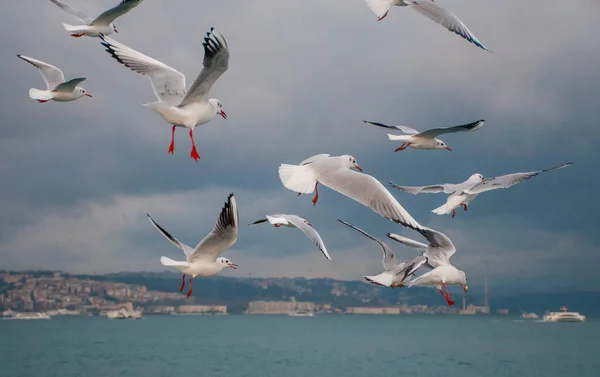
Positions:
{"x": 395, "y": 273}
{"x": 293, "y": 221}
{"x": 177, "y": 105}
{"x": 426, "y": 139}
{"x": 334, "y": 172}
{"x": 57, "y": 89}
{"x": 204, "y": 260}
{"x": 437, "y": 256}
{"x": 462, "y": 194}
{"x": 101, "y": 25}
{"x": 431, "y": 10}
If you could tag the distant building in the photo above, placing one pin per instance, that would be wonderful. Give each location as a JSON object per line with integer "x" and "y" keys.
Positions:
{"x": 202, "y": 309}
{"x": 370, "y": 310}
{"x": 279, "y": 307}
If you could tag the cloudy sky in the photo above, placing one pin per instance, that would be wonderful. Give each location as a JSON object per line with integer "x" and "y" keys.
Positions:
{"x": 77, "y": 179}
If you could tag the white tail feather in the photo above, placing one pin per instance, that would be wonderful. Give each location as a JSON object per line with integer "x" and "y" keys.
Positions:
{"x": 385, "y": 278}
{"x": 40, "y": 95}
{"x": 297, "y": 178}
{"x": 452, "y": 203}
{"x": 171, "y": 263}
{"x": 400, "y": 137}
{"x": 75, "y": 29}
{"x": 380, "y": 7}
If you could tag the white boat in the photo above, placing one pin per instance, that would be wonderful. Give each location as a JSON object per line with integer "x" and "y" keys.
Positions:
{"x": 124, "y": 314}
{"x": 304, "y": 313}
{"x": 564, "y": 316}
{"x": 526, "y": 315}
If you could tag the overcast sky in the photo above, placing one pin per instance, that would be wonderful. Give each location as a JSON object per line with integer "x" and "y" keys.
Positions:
{"x": 77, "y": 179}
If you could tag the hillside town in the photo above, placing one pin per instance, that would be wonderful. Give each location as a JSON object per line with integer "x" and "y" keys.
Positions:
{"x": 57, "y": 294}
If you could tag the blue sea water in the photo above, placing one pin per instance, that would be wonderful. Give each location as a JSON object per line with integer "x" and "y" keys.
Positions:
{"x": 281, "y": 346}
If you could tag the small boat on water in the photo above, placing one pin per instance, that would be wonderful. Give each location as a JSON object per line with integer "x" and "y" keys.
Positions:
{"x": 526, "y": 315}
{"x": 564, "y": 316}
{"x": 301, "y": 313}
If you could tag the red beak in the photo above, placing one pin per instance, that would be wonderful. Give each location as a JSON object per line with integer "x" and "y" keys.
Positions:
{"x": 309, "y": 224}
{"x": 116, "y": 31}
{"x": 223, "y": 114}
{"x": 233, "y": 265}
{"x": 465, "y": 288}
{"x": 89, "y": 95}
{"x": 448, "y": 148}
{"x": 358, "y": 167}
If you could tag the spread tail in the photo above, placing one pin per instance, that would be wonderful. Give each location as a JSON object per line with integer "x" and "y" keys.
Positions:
{"x": 403, "y": 138}
{"x": 452, "y": 203}
{"x": 79, "y": 29}
{"x": 384, "y": 279}
{"x": 172, "y": 263}
{"x": 40, "y": 95}
{"x": 298, "y": 178}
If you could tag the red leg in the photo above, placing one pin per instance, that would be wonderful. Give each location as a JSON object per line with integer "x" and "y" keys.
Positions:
{"x": 314, "y": 201}
{"x": 43, "y": 100}
{"x": 402, "y": 147}
{"x": 194, "y": 154}
{"x": 382, "y": 17}
{"x": 172, "y": 145}
{"x": 182, "y": 283}
{"x": 453, "y": 213}
{"x": 77, "y": 35}
{"x": 447, "y": 297}
{"x": 190, "y": 291}
{"x": 465, "y": 206}
{"x": 277, "y": 225}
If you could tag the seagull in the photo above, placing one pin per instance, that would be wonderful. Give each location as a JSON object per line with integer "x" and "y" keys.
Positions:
{"x": 462, "y": 194}
{"x": 103, "y": 24}
{"x": 395, "y": 274}
{"x": 204, "y": 259}
{"x": 175, "y": 105}
{"x": 426, "y": 139}
{"x": 334, "y": 172}
{"x": 429, "y": 9}
{"x": 437, "y": 257}
{"x": 57, "y": 88}
{"x": 294, "y": 221}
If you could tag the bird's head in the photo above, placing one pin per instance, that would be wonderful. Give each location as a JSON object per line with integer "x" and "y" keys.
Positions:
{"x": 218, "y": 106}
{"x": 350, "y": 162}
{"x": 80, "y": 92}
{"x": 463, "y": 281}
{"x": 476, "y": 178}
{"x": 439, "y": 144}
{"x": 226, "y": 263}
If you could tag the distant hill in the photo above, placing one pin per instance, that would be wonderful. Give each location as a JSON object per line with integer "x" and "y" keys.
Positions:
{"x": 237, "y": 292}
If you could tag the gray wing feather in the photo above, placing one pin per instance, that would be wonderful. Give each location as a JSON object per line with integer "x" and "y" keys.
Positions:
{"x": 505, "y": 181}
{"x": 51, "y": 74}
{"x": 115, "y": 12}
{"x": 69, "y": 86}
{"x": 223, "y": 235}
{"x": 216, "y": 62}
{"x": 389, "y": 258}
{"x": 405, "y": 129}
{"x": 79, "y": 15}
{"x": 434, "y": 132}
{"x": 310, "y": 232}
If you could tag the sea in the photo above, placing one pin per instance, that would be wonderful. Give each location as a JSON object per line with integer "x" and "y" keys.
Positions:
{"x": 283, "y": 346}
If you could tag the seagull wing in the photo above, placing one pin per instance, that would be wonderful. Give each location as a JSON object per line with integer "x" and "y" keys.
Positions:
{"x": 79, "y": 15}
{"x": 52, "y": 75}
{"x": 168, "y": 84}
{"x": 222, "y": 237}
{"x": 505, "y": 181}
{"x": 186, "y": 249}
{"x": 389, "y": 258}
{"x": 112, "y": 14}
{"x": 216, "y": 62}
{"x": 434, "y": 132}
{"x": 445, "y": 18}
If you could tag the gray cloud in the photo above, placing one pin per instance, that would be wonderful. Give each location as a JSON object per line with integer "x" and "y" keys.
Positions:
{"x": 78, "y": 178}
